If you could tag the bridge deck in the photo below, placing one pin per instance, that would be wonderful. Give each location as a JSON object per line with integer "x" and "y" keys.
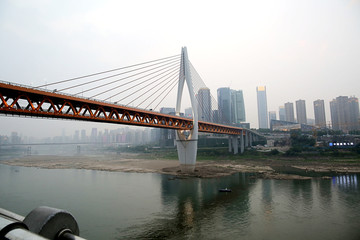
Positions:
{"x": 26, "y": 101}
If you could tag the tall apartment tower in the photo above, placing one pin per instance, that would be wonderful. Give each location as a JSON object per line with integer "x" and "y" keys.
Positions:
{"x": 354, "y": 121}
{"x": 204, "y": 104}
{"x": 301, "y": 111}
{"x": 334, "y": 115}
{"x": 237, "y": 107}
{"x": 319, "y": 111}
{"x": 262, "y": 107}
{"x": 282, "y": 113}
{"x": 345, "y": 113}
{"x": 224, "y": 105}
{"x": 289, "y": 112}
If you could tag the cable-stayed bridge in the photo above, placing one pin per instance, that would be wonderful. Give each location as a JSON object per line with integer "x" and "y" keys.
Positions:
{"x": 131, "y": 95}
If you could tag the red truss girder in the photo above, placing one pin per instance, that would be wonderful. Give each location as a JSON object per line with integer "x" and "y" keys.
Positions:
{"x": 18, "y": 100}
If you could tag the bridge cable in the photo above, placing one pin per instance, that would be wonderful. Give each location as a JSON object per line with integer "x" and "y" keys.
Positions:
{"x": 175, "y": 69}
{"x": 112, "y": 70}
{"x": 97, "y": 80}
{"x": 176, "y": 80}
{"x": 132, "y": 81}
{"x": 175, "y": 83}
{"x": 152, "y": 95}
{"x": 165, "y": 86}
{"x": 205, "y": 108}
{"x": 172, "y": 77}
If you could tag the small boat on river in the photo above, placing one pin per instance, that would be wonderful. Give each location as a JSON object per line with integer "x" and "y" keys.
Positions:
{"x": 225, "y": 190}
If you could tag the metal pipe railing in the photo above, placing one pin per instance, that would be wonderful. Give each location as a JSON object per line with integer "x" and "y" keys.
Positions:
{"x": 40, "y": 224}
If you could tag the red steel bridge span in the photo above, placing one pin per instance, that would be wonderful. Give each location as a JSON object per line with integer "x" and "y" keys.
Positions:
{"x": 26, "y": 101}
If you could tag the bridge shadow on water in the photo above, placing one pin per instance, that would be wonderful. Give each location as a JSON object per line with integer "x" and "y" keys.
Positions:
{"x": 191, "y": 204}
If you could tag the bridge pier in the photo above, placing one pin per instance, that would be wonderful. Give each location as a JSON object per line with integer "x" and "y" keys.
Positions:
{"x": 237, "y": 143}
{"x": 187, "y": 151}
{"x": 187, "y": 145}
{"x": 230, "y": 143}
{"x": 242, "y": 142}
{"x": 246, "y": 139}
{"x": 233, "y": 144}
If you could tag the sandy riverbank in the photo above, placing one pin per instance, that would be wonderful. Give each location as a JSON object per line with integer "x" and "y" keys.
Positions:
{"x": 270, "y": 168}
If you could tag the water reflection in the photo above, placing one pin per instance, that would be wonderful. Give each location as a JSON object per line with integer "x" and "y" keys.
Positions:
{"x": 345, "y": 181}
{"x": 256, "y": 209}
{"x": 267, "y": 199}
{"x": 153, "y": 206}
{"x": 193, "y": 206}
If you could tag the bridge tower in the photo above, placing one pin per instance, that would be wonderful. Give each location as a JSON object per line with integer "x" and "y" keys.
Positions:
{"x": 186, "y": 141}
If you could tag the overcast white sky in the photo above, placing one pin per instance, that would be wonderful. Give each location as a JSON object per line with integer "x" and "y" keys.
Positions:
{"x": 306, "y": 49}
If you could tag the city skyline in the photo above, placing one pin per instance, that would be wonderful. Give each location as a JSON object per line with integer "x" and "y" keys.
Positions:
{"x": 271, "y": 115}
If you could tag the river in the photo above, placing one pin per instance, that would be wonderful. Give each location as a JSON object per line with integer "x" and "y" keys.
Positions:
{"x": 116, "y": 205}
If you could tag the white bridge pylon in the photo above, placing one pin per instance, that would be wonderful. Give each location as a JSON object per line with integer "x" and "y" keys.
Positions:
{"x": 187, "y": 141}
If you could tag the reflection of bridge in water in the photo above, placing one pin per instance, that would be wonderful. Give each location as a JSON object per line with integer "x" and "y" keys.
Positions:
{"x": 191, "y": 204}
{"x": 156, "y": 78}
{"x": 194, "y": 207}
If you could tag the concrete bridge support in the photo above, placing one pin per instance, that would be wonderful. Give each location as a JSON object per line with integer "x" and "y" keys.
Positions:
{"x": 242, "y": 143}
{"x": 186, "y": 142}
{"x": 235, "y": 144}
{"x": 187, "y": 152}
{"x": 230, "y": 143}
{"x": 246, "y": 139}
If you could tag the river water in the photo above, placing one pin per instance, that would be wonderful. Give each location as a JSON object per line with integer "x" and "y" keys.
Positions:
{"x": 115, "y": 205}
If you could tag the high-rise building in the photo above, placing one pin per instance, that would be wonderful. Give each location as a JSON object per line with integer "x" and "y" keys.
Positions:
{"x": 282, "y": 113}
{"x": 272, "y": 115}
{"x": 354, "y": 123}
{"x": 334, "y": 115}
{"x": 301, "y": 111}
{"x": 319, "y": 111}
{"x": 289, "y": 112}
{"x": 224, "y": 105}
{"x": 339, "y": 118}
{"x": 344, "y": 113}
{"x": 237, "y": 107}
{"x": 204, "y": 104}
{"x": 262, "y": 107}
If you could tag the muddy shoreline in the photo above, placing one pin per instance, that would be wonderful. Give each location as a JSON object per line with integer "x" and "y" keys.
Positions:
{"x": 262, "y": 168}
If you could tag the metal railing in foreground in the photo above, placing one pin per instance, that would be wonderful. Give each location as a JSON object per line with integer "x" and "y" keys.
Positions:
{"x": 41, "y": 223}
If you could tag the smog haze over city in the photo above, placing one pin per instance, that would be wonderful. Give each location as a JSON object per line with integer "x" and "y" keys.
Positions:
{"x": 297, "y": 49}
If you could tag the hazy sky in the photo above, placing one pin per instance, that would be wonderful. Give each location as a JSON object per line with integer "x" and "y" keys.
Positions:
{"x": 306, "y": 49}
